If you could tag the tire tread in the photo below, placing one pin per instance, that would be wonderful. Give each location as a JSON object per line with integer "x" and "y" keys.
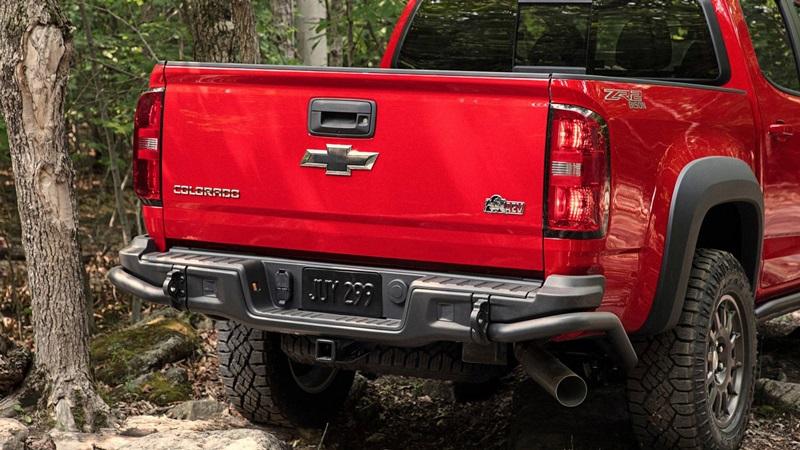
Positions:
{"x": 666, "y": 396}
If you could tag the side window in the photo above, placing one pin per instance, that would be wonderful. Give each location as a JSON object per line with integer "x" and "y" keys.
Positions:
{"x": 652, "y": 39}
{"x": 470, "y": 35}
{"x": 772, "y": 42}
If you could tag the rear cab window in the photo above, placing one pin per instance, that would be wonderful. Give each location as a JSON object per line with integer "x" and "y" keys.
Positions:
{"x": 772, "y": 42}
{"x": 661, "y": 39}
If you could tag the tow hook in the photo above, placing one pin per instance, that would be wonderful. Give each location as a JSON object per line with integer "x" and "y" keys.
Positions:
{"x": 175, "y": 288}
{"x": 479, "y": 319}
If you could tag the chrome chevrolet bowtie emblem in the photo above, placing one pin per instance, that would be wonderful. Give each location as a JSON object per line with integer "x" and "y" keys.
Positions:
{"x": 339, "y": 159}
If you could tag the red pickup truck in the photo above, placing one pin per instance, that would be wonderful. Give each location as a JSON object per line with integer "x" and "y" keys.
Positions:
{"x": 580, "y": 187}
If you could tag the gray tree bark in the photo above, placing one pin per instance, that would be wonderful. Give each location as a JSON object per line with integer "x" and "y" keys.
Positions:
{"x": 223, "y": 30}
{"x": 283, "y": 22}
{"x": 313, "y": 44}
{"x": 35, "y": 54}
{"x": 337, "y": 24}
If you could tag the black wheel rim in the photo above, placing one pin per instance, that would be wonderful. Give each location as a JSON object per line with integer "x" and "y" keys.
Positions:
{"x": 725, "y": 357}
{"x": 312, "y": 379}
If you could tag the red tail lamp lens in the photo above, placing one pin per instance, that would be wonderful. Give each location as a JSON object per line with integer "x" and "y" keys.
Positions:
{"x": 579, "y": 184}
{"x": 147, "y": 147}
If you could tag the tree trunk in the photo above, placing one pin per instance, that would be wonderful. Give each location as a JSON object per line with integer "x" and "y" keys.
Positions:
{"x": 35, "y": 53}
{"x": 313, "y": 44}
{"x": 223, "y": 30}
{"x": 337, "y": 28}
{"x": 283, "y": 22}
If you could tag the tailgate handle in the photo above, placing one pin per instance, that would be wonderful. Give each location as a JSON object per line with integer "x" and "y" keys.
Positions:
{"x": 343, "y": 118}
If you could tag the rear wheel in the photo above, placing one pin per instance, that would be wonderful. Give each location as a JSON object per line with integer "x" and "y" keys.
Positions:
{"x": 267, "y": 387}
{"x": 693, "y": 387}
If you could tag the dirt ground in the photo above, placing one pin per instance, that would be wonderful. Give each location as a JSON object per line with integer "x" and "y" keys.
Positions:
{"x": 396, "y": 413}
{"x": 402, "y": 413}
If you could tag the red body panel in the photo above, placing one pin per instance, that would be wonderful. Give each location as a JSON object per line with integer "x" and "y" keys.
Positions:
{"x": 649, "y": 149}
{"x": 448, "y": 142}
{"x": 780, "y": 177}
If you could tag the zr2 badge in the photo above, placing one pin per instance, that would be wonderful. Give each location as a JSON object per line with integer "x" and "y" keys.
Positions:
{"x": 635, "y": 98}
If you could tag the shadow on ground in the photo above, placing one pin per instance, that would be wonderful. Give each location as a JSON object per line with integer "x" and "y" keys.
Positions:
{"x": 539, "y": 422}
{"x": 401, "y": 413}
{"x": 398, "y": 413}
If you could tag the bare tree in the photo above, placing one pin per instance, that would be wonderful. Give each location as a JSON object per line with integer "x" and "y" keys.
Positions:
{"x": 223, "y": 30}
{"x": 283, "y": 22}
{"x": 35, "y": 54}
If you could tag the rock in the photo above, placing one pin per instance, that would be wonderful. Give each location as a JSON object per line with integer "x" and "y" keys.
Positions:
{"x": 122, "y": 355}
{"x": 144, "y": 425}
{"x": 177, "y": 375}
{"x": 106, "y": 440}
{"x": 160, "y": 388}
{"x": 14, "y": 363}
{"x": 375, "y": 438}
{"x": 40, "y": 443}
{"x": 156, "y": 433}
{"x": 12, "y": 435}
{"x": 359, "y": 388}
{"x": 778, "y": 393}
{"x": 197, "y": 410}
{"x": 240, "y": 439}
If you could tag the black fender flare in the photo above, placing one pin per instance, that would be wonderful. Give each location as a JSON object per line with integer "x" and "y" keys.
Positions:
{"x": 702, "y": 185}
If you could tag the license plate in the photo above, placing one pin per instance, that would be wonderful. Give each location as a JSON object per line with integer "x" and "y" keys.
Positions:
{"x": 342, "y": 292}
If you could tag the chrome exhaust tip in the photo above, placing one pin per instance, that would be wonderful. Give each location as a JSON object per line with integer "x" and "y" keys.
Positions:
{"x": 564, "y": 385}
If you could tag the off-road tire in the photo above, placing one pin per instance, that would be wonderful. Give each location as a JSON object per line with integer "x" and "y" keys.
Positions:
{"x": 667, "y": 393}
{"x": 259, "y": 383}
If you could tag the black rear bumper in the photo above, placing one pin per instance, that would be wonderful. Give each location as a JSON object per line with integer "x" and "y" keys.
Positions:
{"x": 418, "y": 307}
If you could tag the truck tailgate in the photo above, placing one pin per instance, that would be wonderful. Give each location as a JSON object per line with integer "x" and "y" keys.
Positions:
{"x": 445, "y": 144}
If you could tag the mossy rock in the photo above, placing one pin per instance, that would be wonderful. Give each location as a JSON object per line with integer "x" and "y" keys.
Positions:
{"x": 159, "y": 389}
{"x": 122, "y": 355}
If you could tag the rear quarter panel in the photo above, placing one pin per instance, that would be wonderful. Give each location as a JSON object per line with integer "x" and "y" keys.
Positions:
{"x": 649, "y": 148}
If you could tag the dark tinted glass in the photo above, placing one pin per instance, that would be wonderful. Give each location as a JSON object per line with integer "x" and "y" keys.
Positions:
{"x": 771, "y": 41}
{"x": 652, "y": 39}
{"x": 552, "y": 35}
{"x": 630, "y": 38}
{"x": 472, "y": 35}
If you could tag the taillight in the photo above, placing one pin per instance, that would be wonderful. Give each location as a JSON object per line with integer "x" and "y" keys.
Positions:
{"x": 578, "y": 191}
{"x": 147, "y": 146}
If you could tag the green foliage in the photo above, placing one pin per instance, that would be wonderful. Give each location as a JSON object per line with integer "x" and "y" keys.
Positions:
{"x": 128, "y": 38}
{"x": 270, "y": 36}
{"x": 372, "y": 23}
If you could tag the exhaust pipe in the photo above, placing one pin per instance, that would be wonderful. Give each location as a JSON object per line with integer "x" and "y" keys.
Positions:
{"x": 551, "y": 374}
